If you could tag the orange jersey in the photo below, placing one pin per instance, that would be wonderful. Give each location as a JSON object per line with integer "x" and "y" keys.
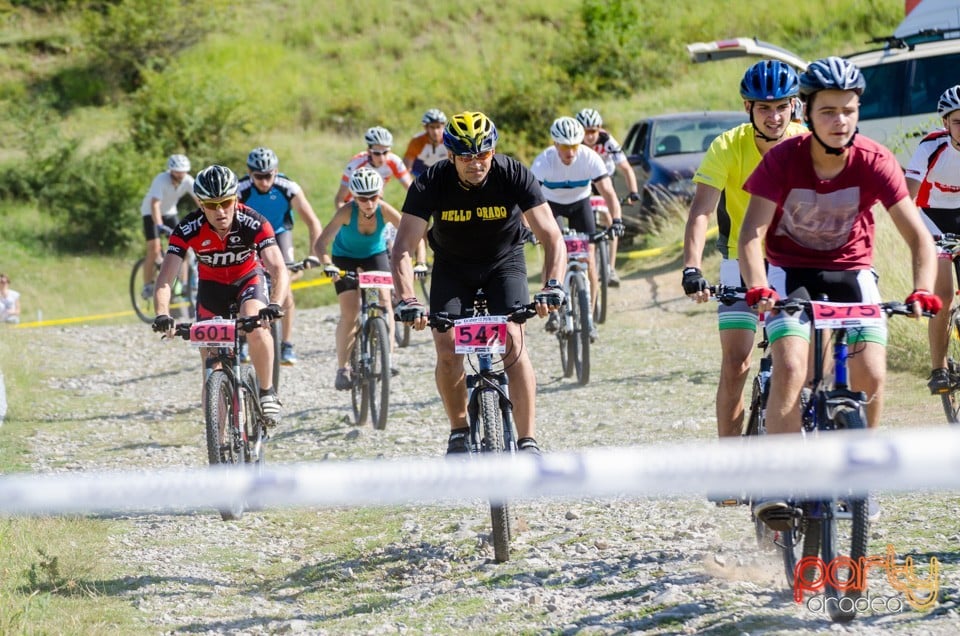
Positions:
{"x": 423, "y": 154}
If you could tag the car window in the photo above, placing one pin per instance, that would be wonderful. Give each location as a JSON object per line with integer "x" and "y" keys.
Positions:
{"x": 931, "y": 76}
{"x": 673, "y": 137}
{"x": 879, "y": 102}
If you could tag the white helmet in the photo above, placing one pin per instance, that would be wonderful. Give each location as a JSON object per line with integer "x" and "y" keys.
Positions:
{"x": 590, "y": 118}
{"x": 178, "y": 163}
{"x": 366, "y": 182}
{"x": 434, "y": 116}
{"x": 567, "y": 130}
{"x": 262, "y": 160}
{"x": 378, "y": 136}
{"x": 949, "y": 101}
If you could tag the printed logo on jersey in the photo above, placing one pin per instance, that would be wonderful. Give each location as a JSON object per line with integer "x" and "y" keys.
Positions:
{"x": 491, "y": 213}
{"x": 224, "y": 259}
{"x": 946, "y": 187}
{"x": 205, "y": 243}
{"x": 234, "y": 239}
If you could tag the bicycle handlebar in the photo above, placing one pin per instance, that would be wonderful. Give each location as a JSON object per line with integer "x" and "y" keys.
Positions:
{"x": 442, "y": 321}
{"x": 727, "y": 294}
{"x": 299, "y": 266}
{"x": 244, "y": 323}
{"x": 890, "y": 308}
{"x": 948, "y": 241}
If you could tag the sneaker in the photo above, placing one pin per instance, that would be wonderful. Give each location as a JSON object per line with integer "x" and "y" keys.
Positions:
{"x": 528, "y": 445}
{"x": 344, "y": 381}
{"x": 613, "y": 280}
{"x": 776, "y": 514}
{"x": 244, "y": 353}
{"x": 594, "y": 335}
{"x": 553, "y": 322}
{"x": 939, "y": 382}
{"x": 457, "y": 442}
{"x": 147, "y": 292}
{"x": 270, "y": 407}
{"x": 288, "y": 357}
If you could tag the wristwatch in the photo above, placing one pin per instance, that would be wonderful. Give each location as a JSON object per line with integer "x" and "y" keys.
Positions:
{"x": 553, "y": 282}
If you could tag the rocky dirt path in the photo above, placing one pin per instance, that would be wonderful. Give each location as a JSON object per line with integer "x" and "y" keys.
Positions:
{"x": 610, "y": 566}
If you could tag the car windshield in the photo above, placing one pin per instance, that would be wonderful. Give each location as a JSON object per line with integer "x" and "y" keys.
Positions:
{"x": 680, "y": 136}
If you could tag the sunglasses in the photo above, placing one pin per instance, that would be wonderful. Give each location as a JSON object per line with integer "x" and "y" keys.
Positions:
{"x": 379, "y": 153}
{"x": 568, "y": 146}
{"x": 219, "y": 204}
{"x": 476, "y": 156}
{"x": 372, "y": 197}
{"x": 262, "y": 176}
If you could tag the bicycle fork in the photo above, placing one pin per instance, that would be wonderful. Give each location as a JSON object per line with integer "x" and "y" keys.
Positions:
{"x": 488, "y": 381}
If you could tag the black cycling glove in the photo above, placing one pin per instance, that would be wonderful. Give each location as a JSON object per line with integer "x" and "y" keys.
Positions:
{"x": 693, "y": 280}
{"x": 163, "y": 323}
{"x": 271, "y": 312}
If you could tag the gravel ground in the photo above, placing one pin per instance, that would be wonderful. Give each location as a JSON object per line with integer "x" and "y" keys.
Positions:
{"x": 610, "y": 566}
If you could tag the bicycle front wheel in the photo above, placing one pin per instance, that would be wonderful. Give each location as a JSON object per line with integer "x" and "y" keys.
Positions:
{"x": 224, "y": 444}
{"x": 491, "y": 424}
{"x": 378, "y": 378}
{"x": 951, "y": 399}
{"x": 143, "y": 307}
{"x": 359, "y": 396}
{"x": 603, "y": 267}
{"x": 580, "y": 299}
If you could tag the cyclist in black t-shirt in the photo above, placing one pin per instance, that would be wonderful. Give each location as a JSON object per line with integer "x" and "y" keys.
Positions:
{"x": 475, "y": 199}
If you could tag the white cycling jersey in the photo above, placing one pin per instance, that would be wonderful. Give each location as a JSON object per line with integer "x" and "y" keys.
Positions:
{"x": 568, "y": 184}
{"x": 169, "y": 194}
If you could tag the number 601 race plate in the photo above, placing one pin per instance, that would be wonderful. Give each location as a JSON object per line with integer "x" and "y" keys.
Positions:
{"x": 481, "y": 334}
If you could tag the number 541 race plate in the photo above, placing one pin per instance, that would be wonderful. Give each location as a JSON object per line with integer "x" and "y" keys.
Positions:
{"x": 481, "y": 334}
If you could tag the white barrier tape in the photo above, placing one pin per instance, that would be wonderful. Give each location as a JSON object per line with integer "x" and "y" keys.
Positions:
{"x": 836, "y": 463}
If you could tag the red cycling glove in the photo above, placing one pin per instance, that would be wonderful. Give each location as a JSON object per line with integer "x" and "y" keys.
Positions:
{"x": 756, "y": 294}
{"x": 928, "y": 302}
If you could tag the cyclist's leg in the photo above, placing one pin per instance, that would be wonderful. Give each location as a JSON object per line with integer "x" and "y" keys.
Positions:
{"x": 738, "y": 326}
{"x": 285, "y": 243}
{"x": 252, "y": 297}
{"x": 505, "y": 288}
{"x": 938, "y": 333}
{"x": 348, "y": 297}
{"x": 582, "y": 220}
{"x": 452, "y": 291}
{"x": 152, "y": 250}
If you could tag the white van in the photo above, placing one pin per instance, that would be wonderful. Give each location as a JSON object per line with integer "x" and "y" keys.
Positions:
{"x": 905, "y": 75}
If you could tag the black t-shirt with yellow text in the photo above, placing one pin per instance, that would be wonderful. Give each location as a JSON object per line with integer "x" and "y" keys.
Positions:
{"x": 476, "y": 225}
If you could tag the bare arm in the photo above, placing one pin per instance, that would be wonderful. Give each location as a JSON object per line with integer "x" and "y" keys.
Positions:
{"x": 326, "y": 236}
{"x": 605, "y": 188}
{"x": 272, "y": 259}
{"x": 340, "y": 198}
{"x": 545, "y": 228}
{"x": 906, "y": 217}
{"x": 913, "y": 186}
{"x": 305, "y": 210}
{"x": 409, "y": 232}
{"x": 155, "y": 211}
{"x": 704, "y": 203}
{"x": 758, "y": 217}
{"x": 162, "y": 292}
{"x": 628, "y": 175}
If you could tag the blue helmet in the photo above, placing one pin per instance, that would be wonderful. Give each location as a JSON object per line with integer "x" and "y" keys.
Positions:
{"x": 768, "y": 81}
{"x": 831, "y": 73}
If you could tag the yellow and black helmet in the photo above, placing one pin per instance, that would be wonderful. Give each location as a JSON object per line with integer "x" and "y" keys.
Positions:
{"x": 469, "y": 133}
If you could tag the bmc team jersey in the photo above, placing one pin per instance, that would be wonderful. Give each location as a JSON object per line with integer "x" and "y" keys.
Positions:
{"x": 163, "y": 189}
{"x": 352, "y": 243}
{"x": 392, "y": 167}
{"x": 223, "y": 260}
{"x": 274, "y": 204}
{"x": 729, "y": 161}
{"x": 609, "y": 150}
{"x": 828, "y": 224}
{"x": 568, "y": 184}
{"x": 476, "y": 225}
{"x": 936, "y": 165}
{"x": 423, "y": 154}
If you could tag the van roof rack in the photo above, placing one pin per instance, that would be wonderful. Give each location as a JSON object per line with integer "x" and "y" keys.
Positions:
{"x": 921, "y": 36}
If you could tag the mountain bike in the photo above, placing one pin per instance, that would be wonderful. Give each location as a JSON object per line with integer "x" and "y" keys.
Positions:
{"x": 184, "y": 287}
{"x": 401, "y": 331}
{"x": 573, "y": 332}
{"x": 602, "y": 252}
{"x": 235, "y": 426}
{"x": 370, "y": 357}
{"x": 950, "y": 243}
{"x": 489, "y": 410}
{"x": 835, "y": 528}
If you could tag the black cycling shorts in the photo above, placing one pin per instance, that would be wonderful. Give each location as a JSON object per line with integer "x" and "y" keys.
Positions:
{"x": 150, "y": 231}
{"x": 579, "y": 215}
{"x": 453, "y": 285}
{"x": 376, "y": 263}
{"x": 214, "y": 299}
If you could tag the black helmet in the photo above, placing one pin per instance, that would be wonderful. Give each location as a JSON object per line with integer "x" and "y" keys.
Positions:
{"x": 215, "y": 182}
{"x": 831, "y": 73}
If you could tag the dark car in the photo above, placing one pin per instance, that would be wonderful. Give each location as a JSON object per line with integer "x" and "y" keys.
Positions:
{"x": 665, "y": 151}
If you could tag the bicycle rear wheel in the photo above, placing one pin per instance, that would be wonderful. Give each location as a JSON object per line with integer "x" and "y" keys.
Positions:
{"x": 580, "y": 299}
{"x": 951, "y": 400}
{"x": 223, "y": 445}
{"x": 378, "y": 378}
{"x": 358, "y": 389}
{"x": 143, "y": 307}
{"x": 491, "y": 424}
{"x": 603, "y": 267}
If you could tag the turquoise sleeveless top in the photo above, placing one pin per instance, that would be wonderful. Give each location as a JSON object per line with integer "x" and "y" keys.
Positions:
{"x": 350, "y": 243}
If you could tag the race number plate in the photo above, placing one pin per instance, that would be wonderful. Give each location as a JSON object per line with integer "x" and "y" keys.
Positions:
{"x": 375, "y": 280}
{"x": 482, "y": 334}
{"x": 577, "y": 245}
{"x": 213, "y": 333}
{"x": 827, "y": 315}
